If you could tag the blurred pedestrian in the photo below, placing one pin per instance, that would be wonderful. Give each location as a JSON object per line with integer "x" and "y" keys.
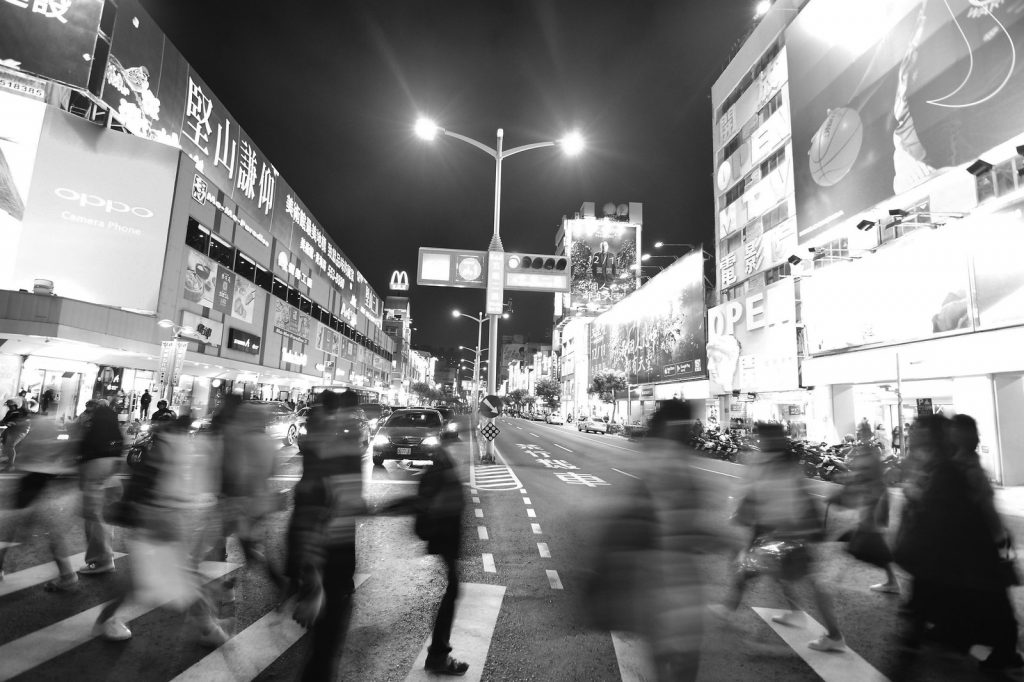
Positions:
{"x": 100, "y": 444}
{"x": 882, "y": 436}
{"x": 31, "y": 515}
{"x": 784, "y": 520}
{"x": 163, "y": 412}
{"x": 16, "y": 426}
{"x": 322, "y": 531}
{"x": 46, "y": 400}
{"x": 864, "y": 430}
{"x": 166, "y": 503}
{"x": 144, "y": 400}
{"x": 864, "y": 489}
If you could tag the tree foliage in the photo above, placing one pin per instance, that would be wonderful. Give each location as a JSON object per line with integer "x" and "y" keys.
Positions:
{"x": 518, "y": 398}
{"x": 550, "y": 391}
{"x": 426, "y": 392}
{"x": 605, "y": 384}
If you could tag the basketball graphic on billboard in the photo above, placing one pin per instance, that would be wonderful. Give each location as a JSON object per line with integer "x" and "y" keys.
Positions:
{"x": 835, "y": 147}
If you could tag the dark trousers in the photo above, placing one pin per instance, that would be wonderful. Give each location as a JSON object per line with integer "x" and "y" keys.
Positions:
{"x": 439, "y": 645}
{"x": 328, "y": 634}
{"x": 144, "y": 410}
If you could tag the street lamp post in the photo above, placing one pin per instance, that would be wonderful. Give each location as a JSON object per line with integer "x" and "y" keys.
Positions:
{"x": 479, "y": 319}
{"x": 571, "y": 143}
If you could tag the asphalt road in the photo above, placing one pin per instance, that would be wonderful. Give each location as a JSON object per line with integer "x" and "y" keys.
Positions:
{"x": 530, "y": 530}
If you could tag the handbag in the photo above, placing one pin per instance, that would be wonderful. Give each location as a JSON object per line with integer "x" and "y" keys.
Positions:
{"x": 869, "y": 546}
{"x": 1007, "y": 566}
{"x": 783, "y": 558}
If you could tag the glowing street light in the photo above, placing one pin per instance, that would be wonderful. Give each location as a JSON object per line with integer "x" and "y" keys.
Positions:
{"x": 762, "y": 8}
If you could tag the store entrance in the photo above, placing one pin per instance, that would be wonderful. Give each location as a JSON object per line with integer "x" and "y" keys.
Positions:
{"x": 52, "y": 393}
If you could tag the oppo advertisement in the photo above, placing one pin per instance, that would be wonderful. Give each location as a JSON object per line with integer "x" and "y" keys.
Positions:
{"x": 656, "y": 334}
{"x": 602, "y": 254}
{"x": 752, "y": 342}
{"x": 901, "y": 295}
{"x": 886, "y": 93}
{"x": 97, "y": 214}
{"x": 50, "y": 39}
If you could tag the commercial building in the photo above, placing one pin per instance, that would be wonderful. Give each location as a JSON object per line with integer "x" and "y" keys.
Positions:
{"x": 131, "y": 196}
{"x": 869, "y": 216}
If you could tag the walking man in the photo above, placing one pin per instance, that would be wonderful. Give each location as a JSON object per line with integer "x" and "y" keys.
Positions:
{"x": 98, "y": 449}
{"x": 144, "y": 400}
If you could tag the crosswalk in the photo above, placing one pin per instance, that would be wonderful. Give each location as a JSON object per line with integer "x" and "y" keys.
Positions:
{"x": 494, "y": 477}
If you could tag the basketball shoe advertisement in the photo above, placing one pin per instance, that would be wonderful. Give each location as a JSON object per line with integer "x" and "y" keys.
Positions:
{"x": 886, "y": 93}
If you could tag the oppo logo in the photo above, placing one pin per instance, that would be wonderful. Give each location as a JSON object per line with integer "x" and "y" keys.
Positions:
{"x": 108, "y": 205}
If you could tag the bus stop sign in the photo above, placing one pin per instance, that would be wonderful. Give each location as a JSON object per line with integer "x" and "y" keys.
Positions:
{"x": 490, "y": 407}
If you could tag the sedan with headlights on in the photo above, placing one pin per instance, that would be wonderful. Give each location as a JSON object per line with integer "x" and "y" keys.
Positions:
{"x": 408, "y": 434}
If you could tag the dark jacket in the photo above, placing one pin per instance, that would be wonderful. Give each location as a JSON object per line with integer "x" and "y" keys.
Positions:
{"x": 17, "y": 423}
{"x": 439, "y": 505}
{"x": 145, "y": 399}
{"x": 102, "y": 435}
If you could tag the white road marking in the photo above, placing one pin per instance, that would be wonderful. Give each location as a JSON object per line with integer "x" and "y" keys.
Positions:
{"x": 472, "y": 631}
{"x": 472, "y": 491}
{"x": 252, "y": 650}
{"x": 532, "y": 514}
{"x": 720, "y": 473}
{"x": 37, "y": 575}
{"x": 625, "y": 474}
{"x": 522, "y": 490}
{"x": 842, "y": 666}
{"x": 526, "y": 500}
{"x": 481, "y": 532}
{"x": 533, "y": 434}
{"x": 5, "y": 545}
{"x": 476, "y": 500}
{"x": 479, "y": 513}
{"x": 542, "y": 548}
{"x": 489, "y": 563}
{"x": 520, "y": 428}
{"x": 536, "y": 528}
{"x": 562, "y": 446}
{"x": 554, "y": 580}
{"x": 23, "y": 654}
{"x": 633, "y": 655}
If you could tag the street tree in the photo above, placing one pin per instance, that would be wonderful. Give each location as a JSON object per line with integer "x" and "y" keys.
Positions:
{"x": 550, "y": 391}
{"x": 518, "y": 398}
{"x": 605, "y": 384}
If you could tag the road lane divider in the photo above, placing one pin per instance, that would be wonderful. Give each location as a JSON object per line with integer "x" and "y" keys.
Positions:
{"x": 553, "y": 580}
{"x": 562, "y": 446}
{"x": 476, "y": 500}
{"x": 542, "y": 549}
{"x": 535, "y": 527}
{"x": 526, "y": 500}
{"x": 488, "y": 560}
{"x": 481, "y": 532}
{"x": 472, "y": 631}
{"x": 479, "y": 513}
{"x": 624, "y": 473}
{"x": 253, "y": 650}
{"x": 532, "y": 514}
{"x": 633, "y": 654}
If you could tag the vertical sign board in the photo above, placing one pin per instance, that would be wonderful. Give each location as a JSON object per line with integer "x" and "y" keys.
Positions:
{"x": 179, "y": 361}
{"x": 495, "y": 282}
{"x": 166, "y": 359}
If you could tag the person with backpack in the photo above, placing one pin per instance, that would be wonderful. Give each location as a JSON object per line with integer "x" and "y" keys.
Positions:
{"x": 438, "y": 507}
{"x": 98, "y": 449}
{"x": 322, "y": 531}
{"x": 16, "y": 426}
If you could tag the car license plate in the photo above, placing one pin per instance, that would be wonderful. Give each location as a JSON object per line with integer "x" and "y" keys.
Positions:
{"x": 405, "y": 451}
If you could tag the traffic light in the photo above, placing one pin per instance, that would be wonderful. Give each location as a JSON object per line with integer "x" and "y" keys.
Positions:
{"x": 536, "y": 272}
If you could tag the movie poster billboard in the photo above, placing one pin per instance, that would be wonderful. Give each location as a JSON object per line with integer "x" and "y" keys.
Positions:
{"x": 96, "y": 195}
{"x": 602, "y": 253}
{"x": 54, "y": 39}
{"x": 657, "y": 333}
{"x": 885, "y": 93}
{"x": 752, "y": 342}
{"x": 328, "y": 340}
{"x": 146, "y": 78}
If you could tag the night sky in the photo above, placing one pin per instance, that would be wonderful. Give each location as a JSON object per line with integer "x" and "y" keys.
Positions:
{"x": 330, "y": 91}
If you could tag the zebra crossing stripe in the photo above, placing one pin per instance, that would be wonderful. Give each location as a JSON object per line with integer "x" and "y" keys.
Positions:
{"x": 23, "y": 654}
{"x": 494, "y": 477}
{"x": 252, "y": 650}
{"x": 37, "y": 575}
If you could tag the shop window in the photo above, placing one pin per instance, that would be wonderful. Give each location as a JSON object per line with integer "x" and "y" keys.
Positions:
{"x": 222, "y": 252}
{"x": 280, "y": 289}
{"x": 1005, "y": 178}
{"x": 197, "y": 236}
{"x": 777, "y": 273}
{"x": 294, "y": 297}
{"x": 305, "y": 305}
{"x": 986, "y": 187}
{"x": 245, "y": 266}
{"x": 264, "y": 279}
{"x": 317, "y": 312}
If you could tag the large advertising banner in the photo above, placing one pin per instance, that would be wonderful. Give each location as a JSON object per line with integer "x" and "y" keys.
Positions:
{"x": 657, "y": 333}
{"x": 146, "y": 78}
{"x": 602, "y": 254}
{"x": 21, "y": 120}
{"x": 290, "y": 322}
{"x": 328, "y": 340}
{"x": 200, "y": 271}
{"x": 915, "y": 288}
{"x": 53, "y": 39}
{"x": 752, "y": 342}
{"x": 886, "y": 93}
{"x": 97, "y": 216}
{"x": 998, "y": 273}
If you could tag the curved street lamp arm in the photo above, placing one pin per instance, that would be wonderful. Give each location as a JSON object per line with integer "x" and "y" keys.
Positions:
{"x": 526, "y": 147}
{"x": 490, "y": 151}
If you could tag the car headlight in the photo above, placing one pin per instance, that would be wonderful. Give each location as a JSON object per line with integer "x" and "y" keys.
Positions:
{"x": 197, "y": 424}
{"x": 380, "y": 439}
{"x": 63, "y": 436}
{"x": 451, "y": 426}
{"x": 430, "y": 441}
{"x": 302, "y": 429}
{"x": 144, "y": 428}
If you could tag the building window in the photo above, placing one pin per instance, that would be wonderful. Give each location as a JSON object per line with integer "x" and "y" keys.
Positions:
{"x": 294, "y": 297}
{"x": 280, "y": 289}
{"x": 778, "y": 272}
{"x": 773, "y": 162}
{"x": 776, "y": 216}
{"x": 264, "y": 280}
{"x": 768, "y": 109}
{"x": 733, "y": 194}
{"x": 1006, "y": 178}
{"x": 730, "y": 147}
{"x": 245, "y": 266}
{"x": 222, "y": 252}
{"x": 197, "y": 236}
{"x": 316, "y": 311}
{"x": 305, "y": 305}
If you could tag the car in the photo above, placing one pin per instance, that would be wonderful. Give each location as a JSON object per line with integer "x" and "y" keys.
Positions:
{"x": 408, "y": 434}
{"x": 281, "y": 422}
{"x": 590, "y": 424}
{"x": 451, "y": 427}
{"x": 555, "y": 419}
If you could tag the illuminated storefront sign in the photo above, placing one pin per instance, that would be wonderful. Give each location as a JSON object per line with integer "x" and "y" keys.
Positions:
{"x": 293, "y": 358}
{"x": 244, "y": 341}
{"x": 324, "y": 250}
{"x": 52, "y": 39}
{"x": 399, "y": 280}
{"x": 201, "y": 193}
{"x": 210, "y": 332}
{"x": 286, "y": 264}
{"x": 752, "y": 342}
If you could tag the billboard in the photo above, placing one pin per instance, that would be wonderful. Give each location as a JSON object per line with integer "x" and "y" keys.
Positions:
{"x": 21, "y": 120}
{"x": 752, "y": 343}
{"x": 54, "y": 40}
{"x": 885, "y": 93}
{"x": 657, "y": 333}
{"x": 290, "y": 322}
{"x": 602, "y": 253}
{"x": 97, "y": 215}
{"x": 998, "y": 276}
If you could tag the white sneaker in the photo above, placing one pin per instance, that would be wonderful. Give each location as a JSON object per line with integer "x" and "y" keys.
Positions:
{"x": 826, "y": 643}
{"x": 886, "y": 588}
{"x": 112, "y": 630}
{"x": 794, "y": 619}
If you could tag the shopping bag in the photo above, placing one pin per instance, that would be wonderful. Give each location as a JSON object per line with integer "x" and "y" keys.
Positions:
{"x": 869, "y": 546}
{"x": 783, "y": 558}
